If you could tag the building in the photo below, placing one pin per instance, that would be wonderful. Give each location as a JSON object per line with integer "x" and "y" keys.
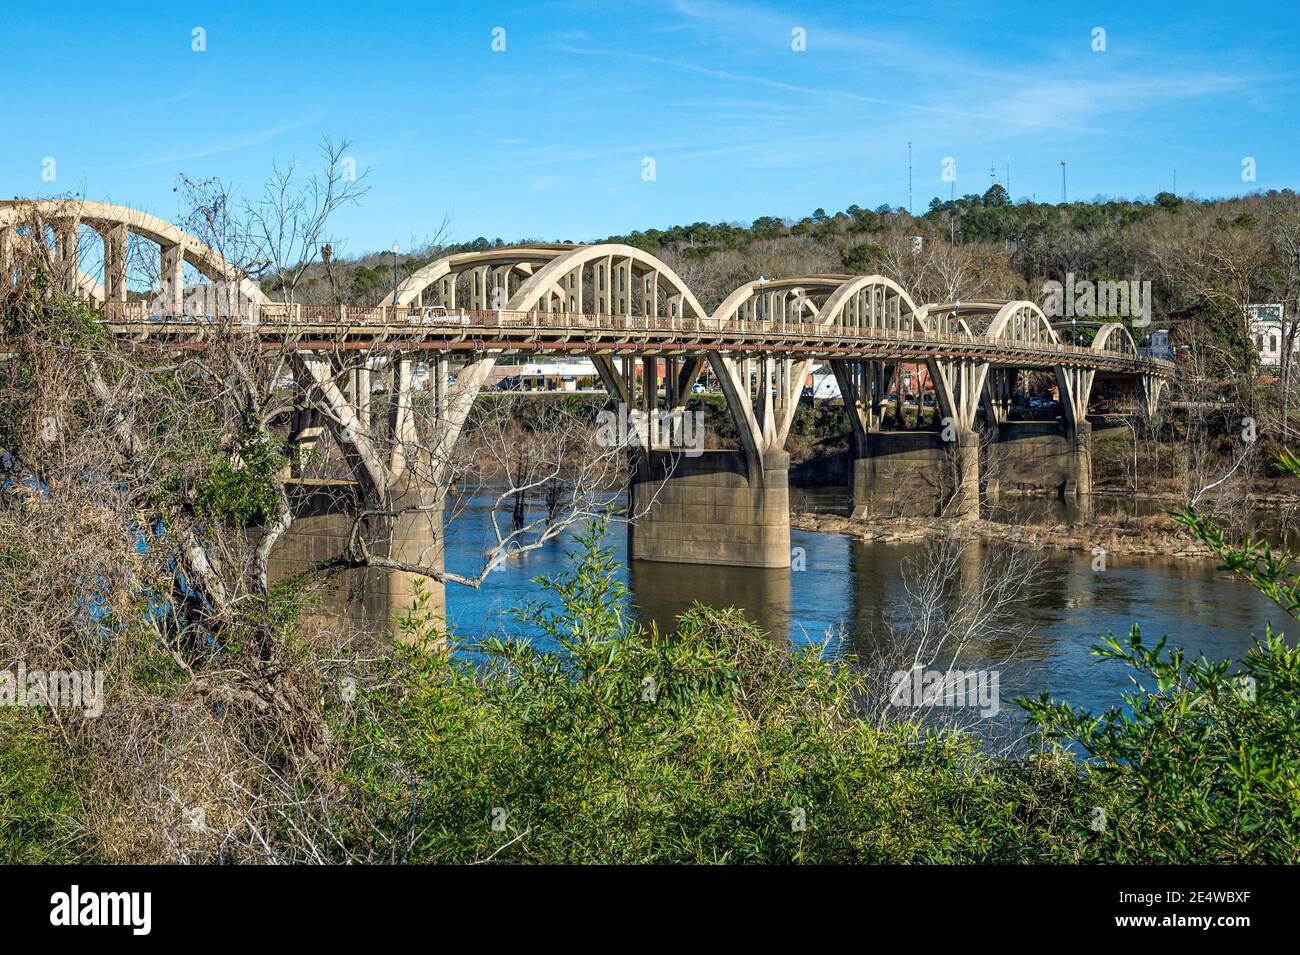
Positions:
{"x": 1156, "y": 344}
{"x": 579, "y": 375}
{"x": 1267, "y": 330}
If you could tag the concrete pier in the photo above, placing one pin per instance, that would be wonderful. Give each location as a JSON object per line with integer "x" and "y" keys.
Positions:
{"x": 1039, "y": 457}
{"x": 366, "y": 597}
{"x": 916, "y": 474}
{"x": 709, "y": 509}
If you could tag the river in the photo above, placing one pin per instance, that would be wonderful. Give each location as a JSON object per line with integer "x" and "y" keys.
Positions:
{"x": 848, "y": 593}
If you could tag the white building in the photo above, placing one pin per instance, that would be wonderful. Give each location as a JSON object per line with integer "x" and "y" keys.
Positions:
{"x": 1266, "y": 329}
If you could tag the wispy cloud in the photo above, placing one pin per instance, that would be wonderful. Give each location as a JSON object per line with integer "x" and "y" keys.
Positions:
{"x": 229, "y": 145}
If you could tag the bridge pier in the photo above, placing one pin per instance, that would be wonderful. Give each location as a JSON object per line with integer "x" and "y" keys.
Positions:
{"x": 962, "y": 455}
{"x": 898, "y": 474}
{"x": 712, "y": 508}
{"x": 1079, "y": 483}
{"x": 369, "y": 598}
{"x": 1039, "y": 457}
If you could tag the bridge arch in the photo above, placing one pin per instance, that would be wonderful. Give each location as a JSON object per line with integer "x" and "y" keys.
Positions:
{"x": 622, "y": 276}
{"x": 1123, "y": 340}
{"x": 1021, "y": 322}
{"x": 623, "y": 280}
{"x": 874, "y": 302}
{"x": 798, "y": 298}
{"x": 114, "y": 223}
{"x": 483, "y": 272}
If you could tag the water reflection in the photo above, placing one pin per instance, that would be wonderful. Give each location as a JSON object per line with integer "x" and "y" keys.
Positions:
{"x": 852, "y": 589}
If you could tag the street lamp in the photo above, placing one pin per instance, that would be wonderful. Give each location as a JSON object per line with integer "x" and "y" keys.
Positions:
{"x": 395, "y": 249}
{"x": 761, "y": 313}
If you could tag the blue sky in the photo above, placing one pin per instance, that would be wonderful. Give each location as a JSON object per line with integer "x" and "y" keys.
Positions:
{"x": 547, "y": 139}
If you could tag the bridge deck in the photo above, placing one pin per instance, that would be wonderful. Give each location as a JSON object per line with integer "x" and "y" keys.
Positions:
{"x": 404, "y": 328}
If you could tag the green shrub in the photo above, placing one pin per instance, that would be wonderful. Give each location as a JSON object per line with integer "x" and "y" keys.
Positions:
{"x": 1202, "y": 765}
{"x": 713, "y": 745}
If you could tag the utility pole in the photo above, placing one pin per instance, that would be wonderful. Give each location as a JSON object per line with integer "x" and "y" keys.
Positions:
{"x": 1063, "y": 164}
{"x": 396, "y": 248}
{"x": 1175, "y": 180}
{"x": 1009, "y": 197}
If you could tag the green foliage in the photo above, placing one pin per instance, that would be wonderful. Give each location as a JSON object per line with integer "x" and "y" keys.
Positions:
{"x": 1202, "y": 761}
{"x": 239, "y": 486}
{"x": 1201, "y": 764}
{"x": 714, "y": 745}
{"x": 38, "y": 793}
{"x": 602, "y": 742}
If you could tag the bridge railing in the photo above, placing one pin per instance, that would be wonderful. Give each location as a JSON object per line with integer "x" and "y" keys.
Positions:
{"x": 390, "y": 318}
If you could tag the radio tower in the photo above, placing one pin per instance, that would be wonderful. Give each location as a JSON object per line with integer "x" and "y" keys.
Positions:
{"x": 909, "y": 178}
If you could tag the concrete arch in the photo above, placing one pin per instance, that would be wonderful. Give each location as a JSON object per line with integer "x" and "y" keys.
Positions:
{"x": 682, "y": 301}
{"x": 845, "y": 306}
{"x": 1114, "y": 330}
{"x": 741, "y": 302}
{"x": 1152, "y": 389}
{"x": 525, "y": 257}
{"x": 1021, "y": 321}
{"x": 113, "y": 223}
{"x": 951, "y": 318}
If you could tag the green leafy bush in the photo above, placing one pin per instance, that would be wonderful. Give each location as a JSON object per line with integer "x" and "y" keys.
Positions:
{"x": 1203, "y": 764}
{"x": 712, "y": 745}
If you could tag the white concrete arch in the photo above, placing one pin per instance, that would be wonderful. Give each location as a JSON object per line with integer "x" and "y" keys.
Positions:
{"x": 960, "y": 318}
{"x": 526, "y": 259}
{"x": 622, "y": 275}
{"x": 1115, "y": 337}
{"x": 788, "y": 297}
{"x": 1021, "y": 322}
{"x": 949, "y": 318}
{"x": 875, "y": 302}
{"x": 114, "y": 223}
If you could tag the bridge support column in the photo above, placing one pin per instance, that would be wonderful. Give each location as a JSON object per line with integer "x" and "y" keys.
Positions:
{"x": 390, "y": 521}
{"x": 1079, "y": 481}
{"x": 963, "y": 476}
{"x": 366, "y": 597}
{"x": 863, "y": 386}
{"x": 1074, "y": 385}
{"x": 959, "y": 385}
{"x": 711, "y": 508}
{"x": 1039, "y": 457}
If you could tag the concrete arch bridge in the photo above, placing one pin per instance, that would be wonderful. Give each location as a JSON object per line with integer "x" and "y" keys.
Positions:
{"x": 623, "y": 307}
